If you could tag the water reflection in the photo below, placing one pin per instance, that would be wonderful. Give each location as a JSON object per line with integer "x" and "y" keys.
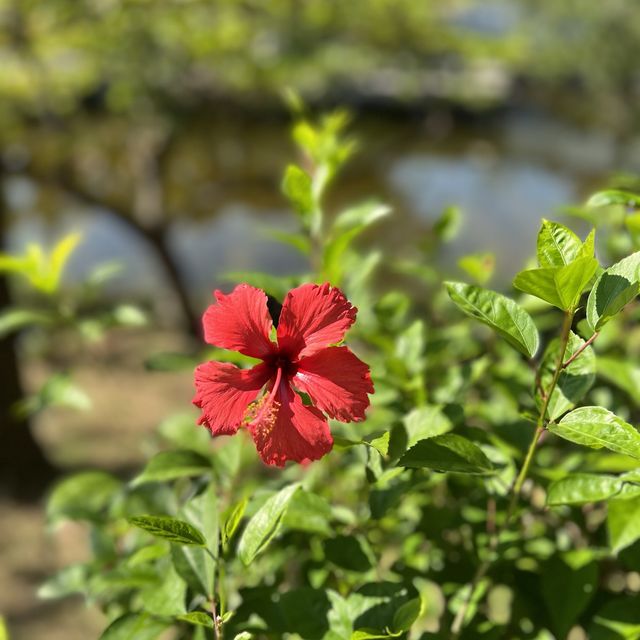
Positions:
{"x": 504, "y": 176}
{"x": 502, "y": 200}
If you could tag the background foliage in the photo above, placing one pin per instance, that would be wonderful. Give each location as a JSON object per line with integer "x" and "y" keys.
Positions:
{"x": 494, "y": 489}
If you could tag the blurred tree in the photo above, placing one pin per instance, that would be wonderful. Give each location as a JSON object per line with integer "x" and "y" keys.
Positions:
{"x": 24, "y": 468}
{"x": 111, "y": 102}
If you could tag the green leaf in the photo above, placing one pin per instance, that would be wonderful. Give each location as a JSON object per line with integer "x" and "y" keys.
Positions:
{"x": 409, "y": 347}
{"x": 58, "y": 391}
{"x": 572, "y": 280}
{"x": 425, "y": 422}
{"x": 135, "y": 627}
{"x": 500, "y": 313}
{"x": 406, "y": 615}
{"x": 201, "y": 512}
{"x": 193, "y": 566}
{"x": 84, "y": 496}
{"x": 169, "y": 465}
{"x": 4, "y": 634}
{"x": 148, "y": 553}
{"x": 613, "y": 290}
{"x": 557, "y": 245}
{"x": 567, "y": 590}
{"x": 346, "y": 228}
{"x": 559, "y": 286}
{"x": 448, "y": 452}
{"x": 613, "y": 196}
{"x": 43, "y": 273}
{"x": 596, "y": 427}
{"x": 264, "y": 525}
{"x": 170, "y": 529}
{"x": 197, "y": 618}
{"x": 479, "y": 266}
{"x": 166, "y": 598}
{"x": 574, "y": 381}
{"x": 448, "y": 224}
{"x": 369, "y": 634}
{"x": 623, "y": 522}
{"x": 308, "y": 512}
{"x": 15, "y": 319}
{"x": 296, "y": 240}
{"x": 580, "y": 488}
{"x": 59, "y": 258}
{"x": 128, "y": 315}
{"x": 618, "y": 619}
{"x": 348, "y": 553}
{"x": 298, "y": 187}
{"x": 540, "y": 283}
{"x": 622, "y": 373}
{"x": 70, "y": 580}
{"x": 233, "y": 519}
{"x": 381, "y": 443}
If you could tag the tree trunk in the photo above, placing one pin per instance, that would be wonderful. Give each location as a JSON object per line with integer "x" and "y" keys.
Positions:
{"x": 158, "y": 239}
{"x": 25, "y": 471}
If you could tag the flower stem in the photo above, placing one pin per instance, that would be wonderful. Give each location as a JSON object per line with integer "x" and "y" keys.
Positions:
{"x": 214, "y": 610}
{"x": 461, "y": 614}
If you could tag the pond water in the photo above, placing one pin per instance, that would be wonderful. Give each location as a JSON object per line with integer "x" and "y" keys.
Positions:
{"x": 505, "y": 173}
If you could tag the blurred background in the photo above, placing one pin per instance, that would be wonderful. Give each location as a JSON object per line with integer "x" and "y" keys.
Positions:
{"x": 159, "y": 131}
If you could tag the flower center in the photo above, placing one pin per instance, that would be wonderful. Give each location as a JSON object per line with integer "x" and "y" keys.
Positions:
{"x": 282, "y": 363}
{"x": 262, "y": 413}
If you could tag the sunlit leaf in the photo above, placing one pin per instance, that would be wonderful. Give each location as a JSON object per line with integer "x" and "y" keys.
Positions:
{"x": 500, "y": 313}
{"x": 559, "y": 286}
{"x": 613, "y": 290}
{"x": 166, "y": 598}
{"x": 14, "y": 319}
{"x": 581, "y": 488}
{"x": 613, "y": 196}
{"x": 298, "y": 188}
{"x": 264, "y": 525}
{"x": 198, "y": 618}
{"x": 170, "y": 529}
{"x": 596, "y": 427}
{"x": 623, "y": 522}
{"x": 557, "y": 245}
{"x": 480, "y": 266}
{"x": 406, "y": 615}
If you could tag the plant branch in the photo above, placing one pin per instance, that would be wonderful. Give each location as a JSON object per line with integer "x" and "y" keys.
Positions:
{"x": 589, "y": 342}
{"x": 214, "y": 611}
{"x": 461, "y": 614}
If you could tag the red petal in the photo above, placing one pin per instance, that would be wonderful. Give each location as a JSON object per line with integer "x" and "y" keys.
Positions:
{"x": 312, "y": 318}
{"x": 240, "y": 321}
{"x": 223, "y": 392}
{"x": 337, "y": 381}
{"x": 292, "y": 431}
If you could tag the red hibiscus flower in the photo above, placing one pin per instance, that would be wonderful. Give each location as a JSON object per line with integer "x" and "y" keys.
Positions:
{"x": 284, "y": 428}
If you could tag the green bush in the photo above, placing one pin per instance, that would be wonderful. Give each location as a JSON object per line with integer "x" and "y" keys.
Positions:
{"x": 492, "y": 492}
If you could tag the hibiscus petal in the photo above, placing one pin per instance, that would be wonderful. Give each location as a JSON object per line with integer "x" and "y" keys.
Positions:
{"x": 292, "y": 431}
{"x": 313, "y": 317}
{"x": 240, "y": 321}
{"x": 223, "y": 392}
{"x": 337, "y": 381}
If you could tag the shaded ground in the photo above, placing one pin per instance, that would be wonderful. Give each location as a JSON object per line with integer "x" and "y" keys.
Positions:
{"x": 128, "y": 404}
